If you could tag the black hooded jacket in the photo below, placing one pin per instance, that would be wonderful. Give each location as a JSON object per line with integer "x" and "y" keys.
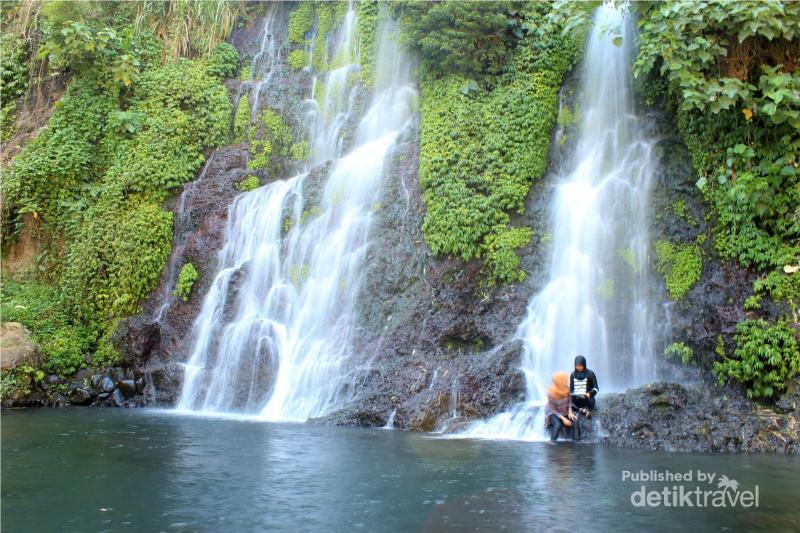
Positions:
{"x": 582, "y": 382}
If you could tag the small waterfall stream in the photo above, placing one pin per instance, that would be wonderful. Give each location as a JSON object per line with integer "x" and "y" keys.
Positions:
{"x": 596, "y": 301}
{"x": 274, "y": 334}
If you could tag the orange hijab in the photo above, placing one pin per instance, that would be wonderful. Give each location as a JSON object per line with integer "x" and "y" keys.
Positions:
{"x": 559, "y": 389}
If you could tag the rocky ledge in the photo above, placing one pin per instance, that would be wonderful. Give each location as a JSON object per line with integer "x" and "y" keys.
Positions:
{"x": 695, "y": 418}
{"x": 111, "y": 387}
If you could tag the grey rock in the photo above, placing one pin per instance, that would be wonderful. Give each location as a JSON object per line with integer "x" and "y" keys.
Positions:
{"x": 102, "y": 383}
{"x": 80, "y": 396}
{"x": 118, "y": 398}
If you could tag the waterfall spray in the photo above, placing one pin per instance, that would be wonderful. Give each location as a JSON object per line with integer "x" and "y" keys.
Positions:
{"x": 273, "y": 338}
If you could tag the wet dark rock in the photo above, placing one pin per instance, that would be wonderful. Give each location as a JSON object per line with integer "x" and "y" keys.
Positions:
{"x": 102, "y": 383}
{"x": 695, "y": 418}
{"x": 790, "y": 401}
{"x": 127, "y": 387}
{"x": 86, "y": 387}
{"x": 58, "y": 399}
{"x": 80, "y": 396}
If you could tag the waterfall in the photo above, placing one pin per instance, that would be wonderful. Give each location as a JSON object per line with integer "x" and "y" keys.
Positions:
{"x": 274, "y": 336}
{"x": 596, "y": 301}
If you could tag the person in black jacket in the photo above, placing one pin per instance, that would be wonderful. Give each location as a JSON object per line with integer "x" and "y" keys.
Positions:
{"x": 582, "y": 386}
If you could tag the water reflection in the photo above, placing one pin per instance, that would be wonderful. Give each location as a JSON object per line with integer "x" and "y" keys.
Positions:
{"x": 94, "y": 469}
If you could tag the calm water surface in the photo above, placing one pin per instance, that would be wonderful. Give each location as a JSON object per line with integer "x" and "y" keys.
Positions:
{"x": 107, "y": 470}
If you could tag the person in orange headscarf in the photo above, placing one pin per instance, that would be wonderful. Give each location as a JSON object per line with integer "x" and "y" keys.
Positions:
{"x": 558, "y": 411}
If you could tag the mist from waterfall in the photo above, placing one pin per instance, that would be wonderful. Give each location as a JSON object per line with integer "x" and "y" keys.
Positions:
{"x": 273, "y": 338}
{"x": 597, "y": 299}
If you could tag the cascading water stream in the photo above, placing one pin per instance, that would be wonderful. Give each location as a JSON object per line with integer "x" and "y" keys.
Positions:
{"x": 274, "y": 334}
{"x": 596, "y": 301}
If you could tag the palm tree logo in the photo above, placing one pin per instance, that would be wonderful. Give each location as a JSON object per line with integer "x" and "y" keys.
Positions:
{"x": 726, "y": 483}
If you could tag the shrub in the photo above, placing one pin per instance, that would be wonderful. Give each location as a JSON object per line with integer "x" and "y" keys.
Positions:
{"x": 300, "y": 151}
{"x": 250, "y": 183}
{"x": 765, "y": 359}
{"x": 269, "y": 134}
{"x": 64, "y": 345}
{"x": 681, "y": 351}
{"x": 186, "y": 278}
{"x": 223, "y": 61}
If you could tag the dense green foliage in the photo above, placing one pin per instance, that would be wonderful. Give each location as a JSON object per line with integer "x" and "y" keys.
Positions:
{"x": 241, "y": 120}
{"x": 250, "y": 183}
{"x": 486, "y": 120}
{"x": 725, "y": 55}
{"x": 681, "y": 265}
{"x": 13, "y": 79}
{"x": 368, "y": 14}
{"x": 126, "y": 134}
{"x": 766, "y": 357}
{"x": 729, "y": 72}
{"x": 470, "y": 39}
{"x": 64, "y": 346}
{"x": 300, "y": 151}
{"x": 186, "y": 278}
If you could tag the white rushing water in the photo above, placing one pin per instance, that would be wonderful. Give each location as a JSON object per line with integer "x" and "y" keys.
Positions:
{"x": 274, "y": 334}
{"x": 596, "y": 301}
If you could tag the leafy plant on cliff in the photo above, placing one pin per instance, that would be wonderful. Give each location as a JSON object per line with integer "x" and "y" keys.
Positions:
{"x": 250, "y": 183}
{"x": 680, "y": 351}
{"x": 681, "y": 265}
{"x": 765, "y": 359}
{"x": 13, "y": 79}
{"x": 270, "y": 134}
{"x": 186, "y": 278}
{"x": 484, "y": 140}
{"x": 739, "y": 44}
